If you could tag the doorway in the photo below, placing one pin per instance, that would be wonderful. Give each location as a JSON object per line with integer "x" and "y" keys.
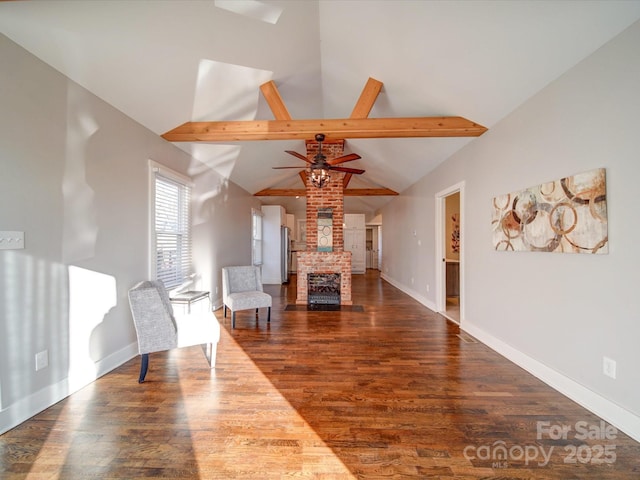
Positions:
{"x": 373, "y": 247}
{"x": 449, "y": 252}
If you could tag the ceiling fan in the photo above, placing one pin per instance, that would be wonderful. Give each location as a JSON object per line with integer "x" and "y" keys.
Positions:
{"x": 320, "y": 167}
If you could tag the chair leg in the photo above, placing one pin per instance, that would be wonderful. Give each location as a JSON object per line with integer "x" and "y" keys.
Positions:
{"x": 144, "y": 366}
{"x": 233, "y": 319}
{"x": 269, "y": 315}
{"x": 210, "y": 353}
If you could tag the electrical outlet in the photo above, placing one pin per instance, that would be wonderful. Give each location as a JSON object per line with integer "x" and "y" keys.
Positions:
{"x": 609, "y": 367}
{"x": 428, "y": 288}
{"x": 11, "y": 240}
{"x": 42, "y": 360}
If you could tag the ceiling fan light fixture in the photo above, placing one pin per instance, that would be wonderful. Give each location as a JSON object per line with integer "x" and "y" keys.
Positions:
{"x": 318, "y": 168}
{"x": 320, "y": 177}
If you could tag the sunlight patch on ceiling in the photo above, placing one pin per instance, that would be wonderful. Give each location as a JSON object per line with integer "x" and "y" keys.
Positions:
{"x": 217, "y": 157}
{"x": 227, "y": 92}
{"x": 251, "y": 9}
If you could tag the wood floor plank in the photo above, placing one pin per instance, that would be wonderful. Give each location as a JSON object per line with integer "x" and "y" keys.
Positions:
{"x": 394, "y": 391}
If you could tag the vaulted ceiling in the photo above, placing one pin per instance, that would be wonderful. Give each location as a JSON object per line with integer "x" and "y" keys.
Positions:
{"x": 164, "y": 63}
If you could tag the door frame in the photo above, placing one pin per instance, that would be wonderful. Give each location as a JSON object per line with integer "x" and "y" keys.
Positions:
{"x": 440, "y": 229}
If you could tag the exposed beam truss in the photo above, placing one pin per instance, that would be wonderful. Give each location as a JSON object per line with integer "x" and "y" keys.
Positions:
{"x": 358, "y": 125}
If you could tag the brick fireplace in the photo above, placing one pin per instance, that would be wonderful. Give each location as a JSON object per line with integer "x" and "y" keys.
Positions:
{"x": 324, "y": 262}
{"x": 319, "y": 200}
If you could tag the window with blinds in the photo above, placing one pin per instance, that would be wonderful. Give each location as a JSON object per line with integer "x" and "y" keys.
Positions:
{"x": 256, "y": 237}
{"x": 172, "y": 231}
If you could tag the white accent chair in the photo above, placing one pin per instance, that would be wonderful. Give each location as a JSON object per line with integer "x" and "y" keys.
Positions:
{"x": 242, "y": 290}
{"x": 158, "y": 329}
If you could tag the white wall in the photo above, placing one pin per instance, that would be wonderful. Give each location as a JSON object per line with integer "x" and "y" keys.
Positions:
{"x": 555, "y": 314}
{"x": 221, "y": 230}
{"x": 74, "y": 178}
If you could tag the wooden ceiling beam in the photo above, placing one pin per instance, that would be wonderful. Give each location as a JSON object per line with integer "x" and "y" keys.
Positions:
{"x": 281, "y": 192}
{"x": 368, "y": 192}
{"x": 348, "y": 192}
{"x": 346, "y": 179}
{"x": 367, "y": 99}
{"x": 253, "y": 130}
{"x": 274, "y": 100}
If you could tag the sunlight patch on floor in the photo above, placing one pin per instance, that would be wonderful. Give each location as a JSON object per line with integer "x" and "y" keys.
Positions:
{"x": 266, "y": 425}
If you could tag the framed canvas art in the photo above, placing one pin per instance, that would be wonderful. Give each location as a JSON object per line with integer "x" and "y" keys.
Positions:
{"x": 568, "y": 215}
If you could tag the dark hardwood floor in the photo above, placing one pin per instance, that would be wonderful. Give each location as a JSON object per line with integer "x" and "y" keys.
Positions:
{"x": 394, "y": 391}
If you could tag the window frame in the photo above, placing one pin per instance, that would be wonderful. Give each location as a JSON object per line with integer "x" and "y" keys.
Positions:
{"x": 256, "y": 237}
{"x": 157, "y": 170}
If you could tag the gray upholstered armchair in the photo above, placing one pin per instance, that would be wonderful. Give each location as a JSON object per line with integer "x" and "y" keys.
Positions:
{"x": 158, "y": 329}
{"x": 242, "y": 290}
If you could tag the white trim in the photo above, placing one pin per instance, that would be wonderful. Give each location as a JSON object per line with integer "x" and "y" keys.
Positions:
{"x": 412, "y": 293}
{"x": 151, "y": 237}
{"x": 617, "y": 416}
{"x": 441, "y": 291}
{"x": 156, "y": 167}
{"x": 27, "y": 407}
{"x": 439, "y": 271}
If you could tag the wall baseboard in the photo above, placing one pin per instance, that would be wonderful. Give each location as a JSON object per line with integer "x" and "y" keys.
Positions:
{"x": 412, "y": 293}
{"x": 24, "y": 409}
{"x": 622, "y": 419}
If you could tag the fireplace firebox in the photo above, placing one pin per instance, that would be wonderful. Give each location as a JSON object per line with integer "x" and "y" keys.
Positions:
{"x": 323, "y": 288}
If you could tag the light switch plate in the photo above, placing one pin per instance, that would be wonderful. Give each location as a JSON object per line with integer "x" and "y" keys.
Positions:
{"x": 42, "y": 360}
{"x": 609, "y": 367}
{"x": 11, "y": 240}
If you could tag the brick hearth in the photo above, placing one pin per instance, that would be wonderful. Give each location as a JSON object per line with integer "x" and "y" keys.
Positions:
{"x": 324, "y": 262}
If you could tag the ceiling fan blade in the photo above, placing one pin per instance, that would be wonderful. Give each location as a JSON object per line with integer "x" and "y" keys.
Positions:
{"x": 344, "y": 158}
{"x": 357, "y": 171}
{"x": 279, "y": 168}
{"x": 298, "y": 155}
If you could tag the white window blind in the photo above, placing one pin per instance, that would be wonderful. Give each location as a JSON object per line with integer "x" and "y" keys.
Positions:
{"x": 172, "y": 231}
{"x": 256, "y": 237}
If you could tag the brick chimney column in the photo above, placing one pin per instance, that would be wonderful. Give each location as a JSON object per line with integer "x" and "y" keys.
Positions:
{"x": 330, "y": 196}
